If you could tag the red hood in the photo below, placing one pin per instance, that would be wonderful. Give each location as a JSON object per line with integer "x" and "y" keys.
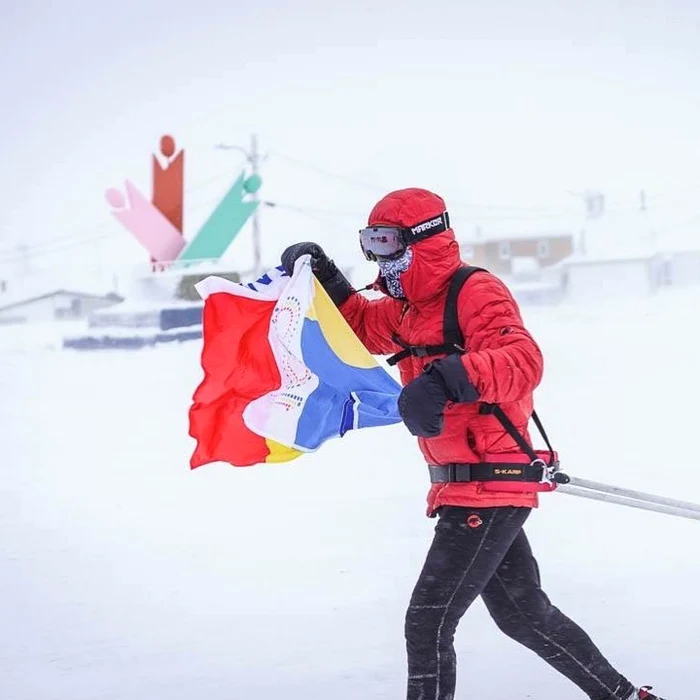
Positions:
{"x": 435, "y": 259}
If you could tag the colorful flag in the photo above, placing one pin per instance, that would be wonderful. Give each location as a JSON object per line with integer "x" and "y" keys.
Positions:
{"x": 283, "y": 372}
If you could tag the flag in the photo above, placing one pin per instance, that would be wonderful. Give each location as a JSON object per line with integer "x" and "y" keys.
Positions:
{"x": 283, "y": 372}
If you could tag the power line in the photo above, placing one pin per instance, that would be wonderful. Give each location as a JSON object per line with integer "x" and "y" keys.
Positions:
{"x": 311, "y": 214}
{"x": 78, "y": 238}
{"x": 25, "y": 252}
{"x": 453, "y": 203}
{"x": 58, "y": 239}
{"x": 328, "y": 173}
{"x": 328, "y": 212}
{"x": 517, "y": 212}
{"x": 679, "y": 224}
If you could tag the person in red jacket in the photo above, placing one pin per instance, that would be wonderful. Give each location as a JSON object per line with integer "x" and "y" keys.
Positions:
{"x": 479, "y": 547}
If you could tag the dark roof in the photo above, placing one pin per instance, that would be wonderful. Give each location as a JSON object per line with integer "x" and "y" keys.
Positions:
{"x": 83, "y": 295}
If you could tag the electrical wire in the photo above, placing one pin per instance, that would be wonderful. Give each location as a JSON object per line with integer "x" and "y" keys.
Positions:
{"x": 327, "y": 212}
{"x": 510, "y": 212}
{"x": 78, "y": 239}
{"x": 328, "y": 173}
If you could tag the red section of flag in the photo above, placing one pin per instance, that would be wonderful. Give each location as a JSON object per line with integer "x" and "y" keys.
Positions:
{"x": 238, "y": 367}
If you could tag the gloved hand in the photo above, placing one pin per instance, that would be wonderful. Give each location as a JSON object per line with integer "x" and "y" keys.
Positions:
{"x": 325, "y": 270}
{"x": 422, "y": 401}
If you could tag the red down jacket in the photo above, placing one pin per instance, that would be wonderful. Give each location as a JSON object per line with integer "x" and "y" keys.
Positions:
{"x": 502, "y": 360}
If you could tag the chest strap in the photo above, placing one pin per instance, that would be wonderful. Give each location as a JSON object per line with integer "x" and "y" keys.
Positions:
{"x": 453, "y": 340}
{"x": 421, "y": 350}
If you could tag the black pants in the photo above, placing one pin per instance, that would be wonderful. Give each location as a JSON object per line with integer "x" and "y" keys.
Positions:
{"x": 485, "y": 552}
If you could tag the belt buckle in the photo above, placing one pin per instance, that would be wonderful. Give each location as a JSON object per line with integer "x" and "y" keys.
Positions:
{"x": 452, "y": 475}
{"x": 551, "y": 473}
{"x": 548, "y": 470}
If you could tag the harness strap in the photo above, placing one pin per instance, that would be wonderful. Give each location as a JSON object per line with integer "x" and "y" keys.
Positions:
{"x": 509, "y": 427}
{"x": 454, "y": 342}
{"x": 450, "y": 322}
{"x": 418, "y": 350}
{"x": 543, "y": 433}
{"x": 486, "y": 471}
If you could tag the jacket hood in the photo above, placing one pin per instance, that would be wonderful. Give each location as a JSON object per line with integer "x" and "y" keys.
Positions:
{"x": 435, "y": 259}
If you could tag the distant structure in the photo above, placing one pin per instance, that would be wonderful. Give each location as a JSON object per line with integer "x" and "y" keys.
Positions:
{"x": 158, "y": 224}
{"x": 595, "y": 204}
{"x": 501, "y": 253}
{"x": 56, "y": 305}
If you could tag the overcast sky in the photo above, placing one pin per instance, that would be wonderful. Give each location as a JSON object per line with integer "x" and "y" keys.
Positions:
{"x": 502, "y": 106}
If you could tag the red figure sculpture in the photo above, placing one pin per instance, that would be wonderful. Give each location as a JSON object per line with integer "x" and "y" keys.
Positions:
{"x": 168, "y": 182}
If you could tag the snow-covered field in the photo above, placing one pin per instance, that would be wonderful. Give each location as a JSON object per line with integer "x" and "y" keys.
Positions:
{"x": 125, "y": 576}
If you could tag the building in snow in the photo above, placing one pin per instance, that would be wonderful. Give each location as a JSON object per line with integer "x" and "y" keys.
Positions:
{"x": 586, "y": 277}
{"x": 57, "y": 305}
{"x": 500, "y": 253}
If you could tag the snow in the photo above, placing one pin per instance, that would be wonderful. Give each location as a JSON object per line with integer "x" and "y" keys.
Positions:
{"x": 146, "y": 305}
{"x": 27, "y": 286}
{"x": 126, "y": 575}
{"x": 24, "y": 338}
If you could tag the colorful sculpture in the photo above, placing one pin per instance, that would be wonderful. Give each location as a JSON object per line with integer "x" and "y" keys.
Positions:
{"x": 158, "y": 224}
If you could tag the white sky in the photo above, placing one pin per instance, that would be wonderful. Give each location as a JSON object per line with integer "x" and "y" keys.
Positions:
{"x": 503, "y": 107}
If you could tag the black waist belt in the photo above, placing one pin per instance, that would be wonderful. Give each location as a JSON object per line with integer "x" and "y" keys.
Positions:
{"x": 486, "y": 471}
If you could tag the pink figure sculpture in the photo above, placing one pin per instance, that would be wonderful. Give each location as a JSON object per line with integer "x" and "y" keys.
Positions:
{"x": 146, "y": 223}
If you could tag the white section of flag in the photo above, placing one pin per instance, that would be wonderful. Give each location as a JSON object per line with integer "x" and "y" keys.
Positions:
{"x": 276, "y": 414}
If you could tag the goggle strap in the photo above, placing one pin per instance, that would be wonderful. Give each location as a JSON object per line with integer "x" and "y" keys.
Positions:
{"x": 427, "y": 228}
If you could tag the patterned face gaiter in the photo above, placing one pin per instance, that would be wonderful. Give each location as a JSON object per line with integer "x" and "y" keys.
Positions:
{"x": 391, "y": 271}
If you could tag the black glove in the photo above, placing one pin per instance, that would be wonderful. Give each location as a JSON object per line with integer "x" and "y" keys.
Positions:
{"x": 332, "y": 279}
{"x": 422, "y": 401}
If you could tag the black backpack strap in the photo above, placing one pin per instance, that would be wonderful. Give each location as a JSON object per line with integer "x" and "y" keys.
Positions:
{"x": 454, "y": 338}
{"x": 508, "y": 425}
{"x": 453, "y": 333}
{"x": 543, "y": 433}
{"x": 415, "y": 350}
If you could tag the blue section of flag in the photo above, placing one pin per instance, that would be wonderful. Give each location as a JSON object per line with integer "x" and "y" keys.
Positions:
{"x": 267, "y": 279}
{"x": 347, "y": 397}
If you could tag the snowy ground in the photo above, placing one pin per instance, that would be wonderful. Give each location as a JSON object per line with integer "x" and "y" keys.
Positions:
{"x": 126, "y": 576}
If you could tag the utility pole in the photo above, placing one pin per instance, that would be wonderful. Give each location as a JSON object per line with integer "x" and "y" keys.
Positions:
{"x": 252, "y": 155}
{"x": 643, "y": 209}
{"x": 254, "y": 159}
{"x": 24, "y": 255}
{"x": 594, "y": 203}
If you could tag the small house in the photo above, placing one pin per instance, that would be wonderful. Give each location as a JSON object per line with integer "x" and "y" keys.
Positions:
{"x": 498, "y": 253}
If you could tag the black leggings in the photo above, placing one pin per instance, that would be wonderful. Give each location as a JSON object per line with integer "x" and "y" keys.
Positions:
{"x": 484, "y": 551}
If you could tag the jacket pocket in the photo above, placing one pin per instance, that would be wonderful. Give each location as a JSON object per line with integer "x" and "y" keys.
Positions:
{"x": 475, "y": 442}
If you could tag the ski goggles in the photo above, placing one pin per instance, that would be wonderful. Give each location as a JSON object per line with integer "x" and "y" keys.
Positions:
{"x": 383, "y": 243}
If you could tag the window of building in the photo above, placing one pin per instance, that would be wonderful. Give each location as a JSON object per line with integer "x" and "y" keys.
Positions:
{"x": 543, "y": 249}
{"x": 504, "y": 251}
